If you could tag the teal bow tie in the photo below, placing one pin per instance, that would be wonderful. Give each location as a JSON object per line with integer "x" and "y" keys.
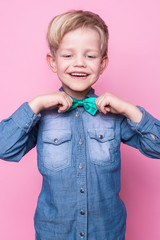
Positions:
{"x": 88, "y": 104}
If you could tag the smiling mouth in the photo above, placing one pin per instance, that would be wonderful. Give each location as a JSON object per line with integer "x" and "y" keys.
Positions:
{"x": 79, "y": 75}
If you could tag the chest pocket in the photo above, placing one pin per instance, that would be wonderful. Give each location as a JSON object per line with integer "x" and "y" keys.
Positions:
{"x": 101, "y": 146}
{"x": 56, "y": 149}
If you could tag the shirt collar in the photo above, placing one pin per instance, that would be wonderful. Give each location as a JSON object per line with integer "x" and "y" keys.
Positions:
{"x": 91, "y": 93}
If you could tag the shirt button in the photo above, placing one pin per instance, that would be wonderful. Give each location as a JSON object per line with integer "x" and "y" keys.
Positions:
{"x": 80, "y": 142}
{"x": 80, "y": 165}
{"x": 55, "y": 140}
{"x": 82, "y": 190}
{"x": 82, "y": 234}
{"x": 100, "y": 136}
{"x": 82, "y": 212}
{"x": 77, "y": 114}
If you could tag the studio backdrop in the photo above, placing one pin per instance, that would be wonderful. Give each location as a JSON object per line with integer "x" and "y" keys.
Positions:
{"x": 133, "y": 74}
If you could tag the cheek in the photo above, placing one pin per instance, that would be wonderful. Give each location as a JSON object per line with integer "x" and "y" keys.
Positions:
{"x": 96, "y": 65}
{"x": 61, "y": 68}
{"x": 97, "y": 69}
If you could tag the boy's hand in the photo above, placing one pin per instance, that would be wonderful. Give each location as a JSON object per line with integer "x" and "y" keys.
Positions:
{"x": 48, "y": 101}
{"x": 110, "y": 103}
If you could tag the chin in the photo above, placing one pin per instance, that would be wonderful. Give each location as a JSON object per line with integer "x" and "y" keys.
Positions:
{"x": 80, "y": 89}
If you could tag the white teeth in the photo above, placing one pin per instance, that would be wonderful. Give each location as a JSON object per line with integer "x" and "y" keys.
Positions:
{"x": 79, "y": 74}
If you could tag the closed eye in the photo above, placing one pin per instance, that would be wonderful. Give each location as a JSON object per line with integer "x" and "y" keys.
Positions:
{"x": 67, "y": 55}
{"x": 90, "y": 56}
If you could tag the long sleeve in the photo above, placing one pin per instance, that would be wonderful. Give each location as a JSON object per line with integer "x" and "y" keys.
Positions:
{"x": 18, "y": 133}
{"x": 144, "y": 135}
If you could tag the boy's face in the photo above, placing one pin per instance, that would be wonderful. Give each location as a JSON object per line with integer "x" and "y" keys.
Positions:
{"x": 78, "y": 61}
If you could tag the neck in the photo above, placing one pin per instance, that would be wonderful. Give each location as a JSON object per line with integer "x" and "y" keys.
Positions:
{"x": 77, "y": 94}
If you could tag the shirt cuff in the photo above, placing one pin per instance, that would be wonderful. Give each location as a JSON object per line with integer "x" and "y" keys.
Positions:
{"x": 25, "y": 118}
{"x": 146, "y": 123}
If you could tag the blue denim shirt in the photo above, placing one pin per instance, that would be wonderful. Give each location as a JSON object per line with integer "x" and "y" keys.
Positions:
{"x": 79, "y": 159}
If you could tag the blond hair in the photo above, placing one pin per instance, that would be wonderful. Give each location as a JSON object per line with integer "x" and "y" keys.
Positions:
{"x": 71, "y": 20}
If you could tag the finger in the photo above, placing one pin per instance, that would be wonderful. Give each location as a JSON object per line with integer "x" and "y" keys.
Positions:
{"x": 102, "y": 103}
{"x": 98, "y": 102}
{"x": 104, "y": 106}
{"x": 70, "y": 100}
{"x": 66, "y": 103}
{"x": 62, "y": 108}
{"x": 63, "y": 104}
{"x": 107, "y": 109}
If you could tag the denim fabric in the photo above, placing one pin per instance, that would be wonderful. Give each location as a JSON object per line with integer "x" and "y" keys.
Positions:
{"x": 79, "y": 159}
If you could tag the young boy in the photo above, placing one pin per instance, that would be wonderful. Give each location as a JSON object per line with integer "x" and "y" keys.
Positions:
{"x": 79, "y": 146}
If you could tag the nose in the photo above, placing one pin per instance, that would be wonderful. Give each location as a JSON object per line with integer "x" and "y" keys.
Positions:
{"x": 79, "y": 61}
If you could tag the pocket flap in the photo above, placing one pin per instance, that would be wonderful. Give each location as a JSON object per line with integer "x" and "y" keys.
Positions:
{"x": 56, "y": 137}
{"x": 101, "y": 135}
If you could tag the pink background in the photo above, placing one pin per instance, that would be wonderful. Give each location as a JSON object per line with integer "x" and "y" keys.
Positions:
{"x": 133, "y": 74}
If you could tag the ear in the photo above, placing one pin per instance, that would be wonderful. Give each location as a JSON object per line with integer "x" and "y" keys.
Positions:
{"x": 51, "y": 62}
{"x": 104, "y": 64}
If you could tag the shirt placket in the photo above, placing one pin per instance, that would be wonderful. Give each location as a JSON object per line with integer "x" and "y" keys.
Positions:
{"x": 81, "y": 170}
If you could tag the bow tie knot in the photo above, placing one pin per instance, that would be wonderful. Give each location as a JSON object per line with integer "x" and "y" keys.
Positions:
{"x": 80, "y": 102}
{"x": 88, "y": 104}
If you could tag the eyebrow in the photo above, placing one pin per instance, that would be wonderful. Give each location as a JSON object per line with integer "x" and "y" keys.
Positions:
{"x": 86, "y": 50}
